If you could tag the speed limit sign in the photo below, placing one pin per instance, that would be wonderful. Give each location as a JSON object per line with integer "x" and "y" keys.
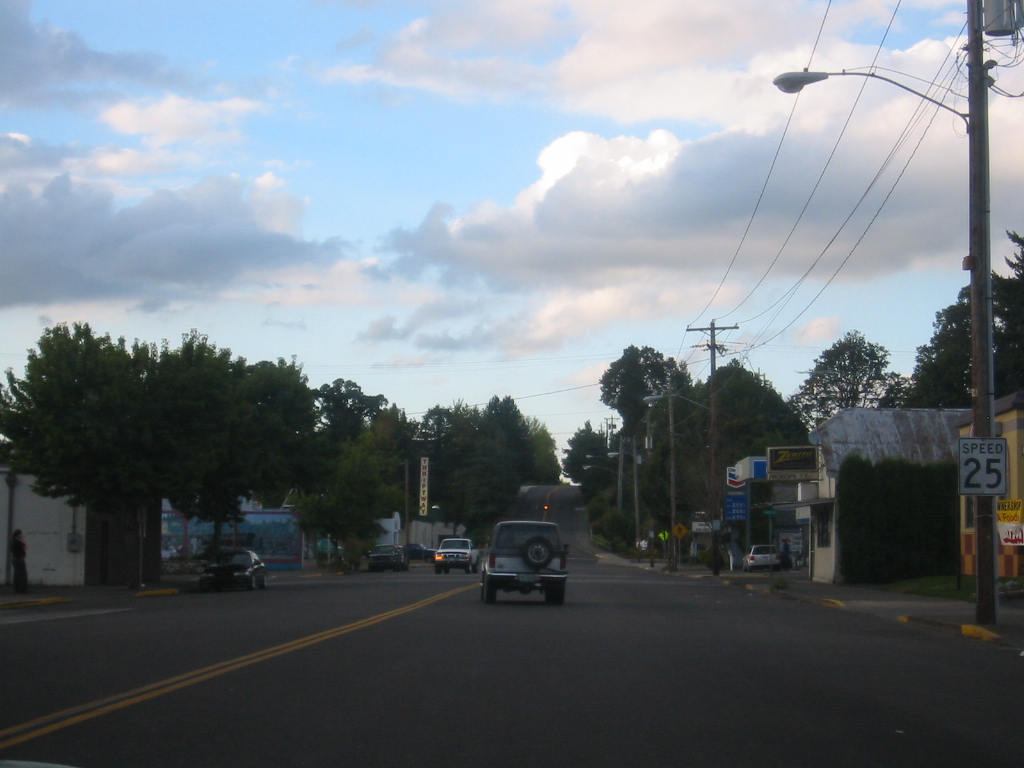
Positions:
{"x": 983, "y": 466}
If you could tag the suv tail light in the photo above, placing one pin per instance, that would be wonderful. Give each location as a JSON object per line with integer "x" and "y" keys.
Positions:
{"x": 490, "y": 560}
{"x": 562, "y": 567}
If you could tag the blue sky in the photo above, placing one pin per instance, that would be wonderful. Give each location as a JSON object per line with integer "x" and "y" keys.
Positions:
{"x": 448, "y": 200}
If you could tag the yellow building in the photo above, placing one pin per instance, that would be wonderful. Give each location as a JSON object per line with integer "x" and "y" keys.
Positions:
{"x": 1009, "y": 414}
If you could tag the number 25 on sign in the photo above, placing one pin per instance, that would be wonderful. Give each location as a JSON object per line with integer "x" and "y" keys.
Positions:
{"x": 983, "y": 466}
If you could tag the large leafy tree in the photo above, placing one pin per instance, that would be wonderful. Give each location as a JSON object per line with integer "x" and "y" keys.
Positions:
{"x": 942, "y": 374}
{"x": 752, "y": 415}
{"x": 81, "y": 420}
{"x": 345, "y": 411}
{"x": 1008, "y": 333}
{"x": 479, "y": 458}
{"x": 640, "y": 372}
{"x": 356, "y": 494}
{"x": 280, "y": 429}
{"x": 852, "y": 373}
{"x": 195, "y": 397}
{"x": 546, "y": 469}
{"x": 586, "y": 461}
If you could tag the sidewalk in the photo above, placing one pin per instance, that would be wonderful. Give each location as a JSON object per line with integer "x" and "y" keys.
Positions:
{"x": 46, "y": 595}
{"x": 952, "y": 616}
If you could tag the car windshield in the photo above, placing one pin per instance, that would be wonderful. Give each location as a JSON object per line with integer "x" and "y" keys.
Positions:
{"x": 455, "y": 544}
{"x": 517, "y": 535}
{"x": 382, "y": 550}
{"x": 233, "y": 558}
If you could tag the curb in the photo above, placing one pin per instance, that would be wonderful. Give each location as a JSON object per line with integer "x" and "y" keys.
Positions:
{"x": 972, "y": 631}
{"x": 34, "y": 603}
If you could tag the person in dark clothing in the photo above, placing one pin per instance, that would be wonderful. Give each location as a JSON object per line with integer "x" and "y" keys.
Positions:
{"x": 18, "y": 552}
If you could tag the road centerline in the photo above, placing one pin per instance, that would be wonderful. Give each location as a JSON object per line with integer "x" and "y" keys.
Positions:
{"x": 42, "y": 726}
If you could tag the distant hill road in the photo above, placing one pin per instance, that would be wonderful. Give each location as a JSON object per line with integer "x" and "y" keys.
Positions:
{"x": 562, "y": 504}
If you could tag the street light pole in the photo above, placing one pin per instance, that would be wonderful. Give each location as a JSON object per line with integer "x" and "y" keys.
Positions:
{"x": 651, "y": 400}
{"x": 979, "y": 262}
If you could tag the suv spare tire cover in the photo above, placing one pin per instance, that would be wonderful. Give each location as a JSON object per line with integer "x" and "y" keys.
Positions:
{"x": 537, "y": 552}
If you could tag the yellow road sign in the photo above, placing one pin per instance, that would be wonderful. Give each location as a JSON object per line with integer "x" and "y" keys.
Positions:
{"x": 680, "y": 530}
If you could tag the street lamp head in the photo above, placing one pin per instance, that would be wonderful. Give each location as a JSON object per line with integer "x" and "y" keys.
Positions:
{"x": 793, "y": 82}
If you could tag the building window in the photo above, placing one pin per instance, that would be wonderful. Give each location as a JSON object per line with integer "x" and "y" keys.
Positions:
{"x": 823, "y": 524}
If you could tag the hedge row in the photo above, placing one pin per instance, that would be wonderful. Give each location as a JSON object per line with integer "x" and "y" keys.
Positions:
{"x": 897, "y": 520}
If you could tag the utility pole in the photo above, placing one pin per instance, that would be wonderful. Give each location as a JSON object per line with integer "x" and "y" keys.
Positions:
{"x": 979, "y": 263}
{"x": 715, "y": 488}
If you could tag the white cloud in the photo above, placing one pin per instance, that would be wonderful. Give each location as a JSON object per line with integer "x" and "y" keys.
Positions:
{"x": 818, "y": 332}
{"x": 174, "y": 119}
{"x": 47, "y": 66}
{"x": 69, "y": 241}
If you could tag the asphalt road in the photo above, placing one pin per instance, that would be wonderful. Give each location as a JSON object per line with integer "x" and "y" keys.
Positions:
{"x": 412, "y": 668}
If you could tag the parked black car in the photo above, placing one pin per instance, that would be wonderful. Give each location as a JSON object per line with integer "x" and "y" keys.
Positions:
{"x": 419, "y": 552}
{"x": 234, "y": 568}
{"x": 387, "y": 556}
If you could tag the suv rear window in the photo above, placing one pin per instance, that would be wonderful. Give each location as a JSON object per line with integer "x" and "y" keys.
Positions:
{"x": 514, "y": 536}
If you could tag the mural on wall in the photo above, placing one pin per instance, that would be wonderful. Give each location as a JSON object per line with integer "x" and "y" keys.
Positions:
{"x": 272, "y": 534}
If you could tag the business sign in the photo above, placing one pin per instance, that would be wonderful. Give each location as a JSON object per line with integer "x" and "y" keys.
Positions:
{"x": 983, "y": 466}
{"x": 732, "y": 478}
{"x": 1011, "y": 526}
{"x": 424, "y": 473}
{"x": 735, "y": 507}
{"x": 799, "y": 462}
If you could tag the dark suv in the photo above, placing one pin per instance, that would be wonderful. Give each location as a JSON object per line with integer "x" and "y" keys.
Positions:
{"x": 387, "y": 556}
{"x": 525, "y": 556}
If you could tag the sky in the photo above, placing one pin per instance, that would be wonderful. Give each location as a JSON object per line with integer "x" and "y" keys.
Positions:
{"x": 448, "y": 200}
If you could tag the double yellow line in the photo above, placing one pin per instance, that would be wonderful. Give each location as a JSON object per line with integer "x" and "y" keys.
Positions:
{"x": 54, "y": 722}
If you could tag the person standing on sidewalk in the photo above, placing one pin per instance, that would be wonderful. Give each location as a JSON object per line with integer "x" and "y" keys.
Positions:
{"x": 18, "y": 552}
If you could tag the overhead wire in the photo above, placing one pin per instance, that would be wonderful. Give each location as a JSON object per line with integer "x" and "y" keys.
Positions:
{"x": 901, "y": 140}
{"x": 764, "y": 186}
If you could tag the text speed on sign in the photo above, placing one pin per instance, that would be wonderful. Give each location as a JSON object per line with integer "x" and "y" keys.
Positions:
{"x": 983, "y": 466}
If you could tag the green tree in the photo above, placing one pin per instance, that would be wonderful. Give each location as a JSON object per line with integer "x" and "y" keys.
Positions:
{"x": 81, "y": 421}
{"x": 586, "y": 462}
{"x": 849, "y": 374}
{"x": 942, "y": 373}
{"x": 280, "y": 424}
{"x": 1008, "y": 331}
{"x": 357, "y": 493}
{"x": 345, "y": 411}
{"x": 752, "y": 415}
{"x": 638, "y": 373}
{"x": 195, "y": 398}
{"x": 546, "y": 469}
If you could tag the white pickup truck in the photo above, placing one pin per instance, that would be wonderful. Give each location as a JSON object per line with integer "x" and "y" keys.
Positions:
{"x": 457, "y": 553}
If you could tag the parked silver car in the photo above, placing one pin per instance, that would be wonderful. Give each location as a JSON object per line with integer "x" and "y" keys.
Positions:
{"x": 762, "y": 556}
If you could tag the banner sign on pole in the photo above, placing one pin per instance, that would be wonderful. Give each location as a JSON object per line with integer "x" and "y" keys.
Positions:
{"x": 1011, "y": 526}
{"x": 424, "y": 472}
